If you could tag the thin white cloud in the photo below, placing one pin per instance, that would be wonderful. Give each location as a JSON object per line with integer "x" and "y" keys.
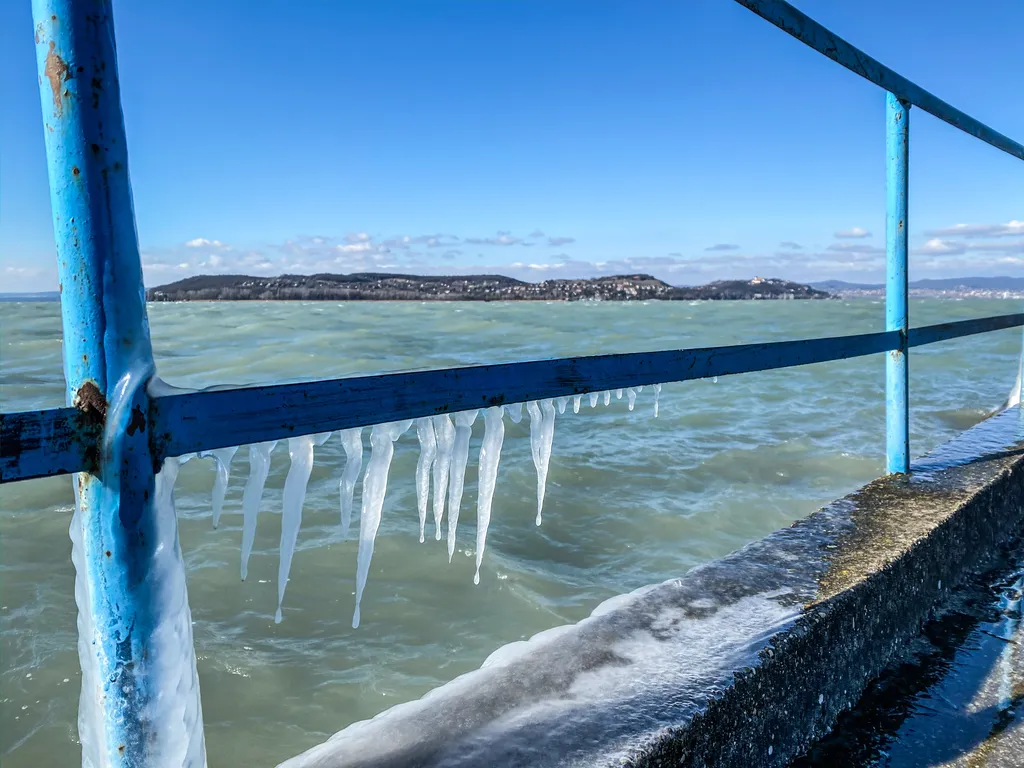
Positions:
{"x": 202, "y": 242}
{"x": 722, "y": 247}
{"x": 853, "y": 233}
{"x": 937, "y": 246}
{"x": 1010, "y": 229}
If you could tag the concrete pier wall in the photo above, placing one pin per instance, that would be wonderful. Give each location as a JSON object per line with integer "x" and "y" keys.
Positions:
{"x": 745, "y": 661}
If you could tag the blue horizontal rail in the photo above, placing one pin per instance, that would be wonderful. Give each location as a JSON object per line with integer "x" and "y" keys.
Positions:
{"x": 57, "y": 441}
{"x": 811, "y": 33}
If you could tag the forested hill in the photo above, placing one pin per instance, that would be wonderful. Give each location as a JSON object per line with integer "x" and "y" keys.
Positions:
{"x": 392, "y": 287}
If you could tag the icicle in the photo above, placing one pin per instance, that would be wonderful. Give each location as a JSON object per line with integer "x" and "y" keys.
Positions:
{"x": 542, "y": 432}
{"x": 490, "y": 454}
{"x": 352, "y": 442}
{"x": 576, "y": 400}
{"x": 457, "y": 473}
{"x": 428, "y": 452}
{"x": 657, "y": 395}
{"x": 640, "y": 389}
{"x": 714, "y": 380}
{"x": 631, "y": 395}
{"x": 222, "y": 457}
{"x": 259, "y": 468}
{"x": 444, "y": 431}
{"x": 300, "y": 450}
{"x": 618, "y": 394}
{"x": 375, "y": 487}
{"x": 562, "y": 402}
{"x": 607, "y": 397}
{"x": 593, "y": 399}
{"x": 515, "y": 412}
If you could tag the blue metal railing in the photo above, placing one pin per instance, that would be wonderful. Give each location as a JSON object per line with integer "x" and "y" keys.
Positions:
{"x": 108, "y": 358}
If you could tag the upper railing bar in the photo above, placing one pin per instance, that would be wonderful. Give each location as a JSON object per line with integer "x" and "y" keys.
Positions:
{"x": 930, "y": 334}
{"x": 206, "y": 420}
{"x": 811, "y": 33}
{"x": 57, "y": 441}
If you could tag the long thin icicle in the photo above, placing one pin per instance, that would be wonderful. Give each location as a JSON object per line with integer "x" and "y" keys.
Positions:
{"x": 375, "y": 486}
{"x": 352, "y": 443}
{"x": 223, "y": 457}
{"x": 490, "y": 455}
{"x": 657, "y": 395}
{"x": 542, "y": 432}
{"x": 259, "y": 468}
{"x": 300, "y": 449}
{"x": 607, "y": 396}
{"x": 444, "y": 432}
{"x": 576, "y": 399}
{"x": 425, "y": 463}
{"x": 631, "y": 395}
{"x": 457, "y": 474}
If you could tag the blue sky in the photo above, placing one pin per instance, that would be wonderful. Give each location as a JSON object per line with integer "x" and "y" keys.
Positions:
{"x": 539, "y": 138}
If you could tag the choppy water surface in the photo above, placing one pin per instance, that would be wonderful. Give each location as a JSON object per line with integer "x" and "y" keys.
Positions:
{"x": 630, "y": 500}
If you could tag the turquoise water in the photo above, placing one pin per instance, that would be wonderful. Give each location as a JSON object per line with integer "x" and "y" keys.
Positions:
{"x": 630, "y": 499}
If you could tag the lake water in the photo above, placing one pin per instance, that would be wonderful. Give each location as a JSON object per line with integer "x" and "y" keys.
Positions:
{"x": 630, "y": 499}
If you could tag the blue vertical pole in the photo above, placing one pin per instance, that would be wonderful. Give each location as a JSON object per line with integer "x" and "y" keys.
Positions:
{"x": 897, "y": 161}
{"x": 122, "y": 597}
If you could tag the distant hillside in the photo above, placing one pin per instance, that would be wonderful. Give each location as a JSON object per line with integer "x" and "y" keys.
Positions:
{"x": 43, "y": 296}
{"x": 391, "y": 287}
{"x": 949, "y": 285}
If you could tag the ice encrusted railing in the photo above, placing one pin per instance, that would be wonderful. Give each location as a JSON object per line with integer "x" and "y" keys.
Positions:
{"x": 444, "y": 453}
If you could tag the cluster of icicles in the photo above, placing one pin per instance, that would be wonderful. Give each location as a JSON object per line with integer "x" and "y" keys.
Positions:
{"x": 444, "y": 454}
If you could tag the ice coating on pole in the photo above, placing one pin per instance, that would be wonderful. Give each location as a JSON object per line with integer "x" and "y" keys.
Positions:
{"x": 352, "y": 443}
{"x": 562, "y": 402}
{"x": 223, "y": 457}
{"x": 457, "y": 474}
{"x": 593, "y": 399}
{"x": 576, "y": 399}
{"x": 425, "y": 463}
{"x": 375, "y": 487}
{"x": 490, "y": 455}
{"x": 515, "y": 412}
{"x": 631, "y": 396}
{"x": 259, "y": 468}
{"x": 172, "y": 659}
{"x": 444, "y": 432}
{"x": 542, "y": 432}
{"x": 300, "y": 450}
{"x": 657, "y": 395}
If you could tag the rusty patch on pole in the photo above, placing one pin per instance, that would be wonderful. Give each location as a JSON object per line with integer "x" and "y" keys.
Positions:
{"x": 56, "y": 71}
{"x": 91, "y": 402}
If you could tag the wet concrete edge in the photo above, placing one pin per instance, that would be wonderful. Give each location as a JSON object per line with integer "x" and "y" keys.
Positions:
{"x": 910, "y": 541}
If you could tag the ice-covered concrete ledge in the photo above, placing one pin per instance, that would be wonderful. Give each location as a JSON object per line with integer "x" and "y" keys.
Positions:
{"x": 741, "y": 662}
